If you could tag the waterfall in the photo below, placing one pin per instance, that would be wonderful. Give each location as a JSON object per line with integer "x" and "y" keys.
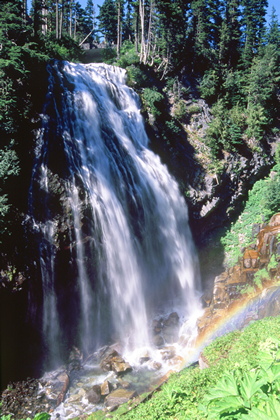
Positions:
{"x": 114, "y": 244}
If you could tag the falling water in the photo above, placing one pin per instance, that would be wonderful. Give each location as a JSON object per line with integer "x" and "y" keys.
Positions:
{"x": 115, "y": 246}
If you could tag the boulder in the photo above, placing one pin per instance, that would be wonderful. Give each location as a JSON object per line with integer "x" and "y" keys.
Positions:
{"x": 114, "y": 361}
{"x": 105, "y": 388}
{"x": 118, "y": 397}
{"x": 94, "y": 394}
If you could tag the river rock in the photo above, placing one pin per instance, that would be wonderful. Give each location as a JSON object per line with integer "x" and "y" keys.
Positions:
{"x": 55, "y": 386}
{"x": 158, "y": 340}
{"x": 94, "y": 394}
{"x": 106, "y": 388}
{"x": 115, "y": 362}
{"x": 118, "y": 397}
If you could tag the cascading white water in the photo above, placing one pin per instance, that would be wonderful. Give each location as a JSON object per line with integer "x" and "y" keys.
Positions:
{"x": 130, "y": 254}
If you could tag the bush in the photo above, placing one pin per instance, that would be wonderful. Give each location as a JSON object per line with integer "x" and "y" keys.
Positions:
{"x": 180, "y": 110}
{"x": 152, "y": 100}
{"x": 128, "y": 55}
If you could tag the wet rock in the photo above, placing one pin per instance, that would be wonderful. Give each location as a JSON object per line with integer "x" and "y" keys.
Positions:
{"x": 156, "y": 365}
{"x": 203, "y": 362}
{"x": 157, "y": 326}
{"x": 170, "y": 334}
{"x": 144, "y": 359}
{"x": 172, "y": 320}
{"x": 238, "y": 283}
{"x": 77, "y": 397}
{"x": 168, "y": 353}
{"x": 114, "y": 361}
{"x": 118, "y": 397}
{"x": 106, "y": 388}
{"x": 94, "y": 394}
{"x": 56, "y": 385}
{"x": 75, "y": 359}
{"x": 170, "y": 331}
{"x": 158, "y": 340}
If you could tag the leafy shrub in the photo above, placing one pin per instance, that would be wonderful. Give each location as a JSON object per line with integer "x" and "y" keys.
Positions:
{"x": 152, "y": 100}
{"x": 39, "y": 416}
{"x": 180, "y": 110}
{"x": 128, "y": 55}
{"x": 249, "y": 393}
{"x": 260, "y": 275}
{"x": 109, "y": 55}
{"x": 193, "y": 109}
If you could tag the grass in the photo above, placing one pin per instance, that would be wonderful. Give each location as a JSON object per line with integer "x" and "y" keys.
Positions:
{"x": 192, "y": 393}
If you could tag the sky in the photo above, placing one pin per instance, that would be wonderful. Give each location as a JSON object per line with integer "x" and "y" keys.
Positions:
{"x": 271, "y": 3}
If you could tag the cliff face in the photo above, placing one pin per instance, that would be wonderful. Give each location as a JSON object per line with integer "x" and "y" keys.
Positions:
{"x": 257, "y": 270}
{"x": 214, "y": 188}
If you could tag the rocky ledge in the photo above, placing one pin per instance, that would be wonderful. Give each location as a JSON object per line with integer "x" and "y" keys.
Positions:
{"x": 257, "y": 271}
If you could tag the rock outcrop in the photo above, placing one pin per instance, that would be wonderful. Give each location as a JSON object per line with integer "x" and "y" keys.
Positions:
{"x": 257, "y": 269}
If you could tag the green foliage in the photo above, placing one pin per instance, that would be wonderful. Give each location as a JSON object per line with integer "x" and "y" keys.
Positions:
{"x": 209, "y": 86}
{"x": 193, "y": 109}
{"x": 263, "y": 201}
{"x": 128, "y": 56}
{"x": 225, "y": 130}
{"x": 180, "y": 110}
{"x": 109, "y": 55}
{"x": 39, "y": 416}
{"x": 231, "y": 387}
{"x": 108, "y": 18}
{"x": 245, "y": 392}
{"x": 152, "y": 100}
{"x": 261, "y": 275}
{"x": 273, "y": 263}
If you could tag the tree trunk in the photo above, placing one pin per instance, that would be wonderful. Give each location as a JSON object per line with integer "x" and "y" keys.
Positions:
{"x": 119, "y": 31}
{"x": 44, "y": 18}
{"x": 61, "y": 19}
{"x": 70, "y": 18}
{"x": 142, "y": 24}
{"x": 56, "y": 20}
{"x": 24, "y": 13}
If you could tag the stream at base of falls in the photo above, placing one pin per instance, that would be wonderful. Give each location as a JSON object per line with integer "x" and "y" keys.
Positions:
{"x": 109, "y": 378}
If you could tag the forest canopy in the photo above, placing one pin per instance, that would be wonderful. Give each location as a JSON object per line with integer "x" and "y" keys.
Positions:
{"x": 224, "y": 51}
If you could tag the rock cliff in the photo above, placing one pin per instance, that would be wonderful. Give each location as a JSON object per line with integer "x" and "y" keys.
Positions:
{"x": 257, "y": 270}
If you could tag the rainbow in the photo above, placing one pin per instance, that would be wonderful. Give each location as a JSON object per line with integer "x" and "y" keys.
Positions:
{"x": 240, "y": 314}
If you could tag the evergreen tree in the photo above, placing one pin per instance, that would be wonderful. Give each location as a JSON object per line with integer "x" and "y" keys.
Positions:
{"x": 108, "y": 21}
{"x": 253, "y": 30}
{"x": 172, "y": 24}
{"x": 128, "y": 31}
{"x": 229, "y": 46}
{"x": 273, "y": 34}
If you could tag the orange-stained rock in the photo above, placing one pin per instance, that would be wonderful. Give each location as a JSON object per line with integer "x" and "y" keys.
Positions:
{"x": 230, "y": 286}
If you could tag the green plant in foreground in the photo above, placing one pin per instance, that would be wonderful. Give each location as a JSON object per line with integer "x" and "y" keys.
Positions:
{"x": 244, "y": 393}
{"x": 39, "y": 416}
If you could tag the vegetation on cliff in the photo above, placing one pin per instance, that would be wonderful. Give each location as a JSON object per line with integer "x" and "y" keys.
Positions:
{"x": 263, "y": 201}
{"x": 223, "y": 52}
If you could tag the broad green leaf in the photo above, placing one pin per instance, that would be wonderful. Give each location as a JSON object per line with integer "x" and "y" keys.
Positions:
{"x": 227, "y": 386}
{"x": 224, "y": 405}
{"x": 42, "y": 416}
{"x": 250, "y": 384}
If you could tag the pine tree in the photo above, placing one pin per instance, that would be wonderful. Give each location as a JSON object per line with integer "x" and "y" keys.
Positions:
{"x": 108, "y": 21}
{"x": 273, "y": 34}
{"x": 229, "y": 46}
{"x": 253, "y": 21}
